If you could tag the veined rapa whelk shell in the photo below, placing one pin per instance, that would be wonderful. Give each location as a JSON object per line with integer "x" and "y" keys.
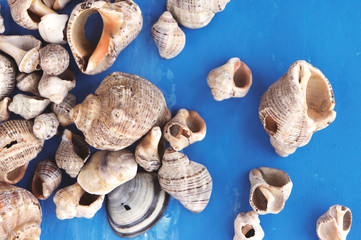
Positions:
{"x": 54, "y": 59}
{"x": 247, "y": 226}
{"x": 28, "y": 82}
{"x": 62, "y": 110}
{"x": 136, "y": 206}
{"x": 7, "y": 76}
{"x": 4, "y": 111}
{"x": 28, "y": 106}
{"x": 45, "y": 126}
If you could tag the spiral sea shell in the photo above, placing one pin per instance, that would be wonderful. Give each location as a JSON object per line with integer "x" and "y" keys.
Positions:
{"x": 28, "y": 82}
{"x": 28, "y": 106}
{"x": 247, "y": 226}
{"x": 62, "y": 109}
{"x": 45, "y": 126}
{"x": 54, "y": 59}
{"x": 4, "y": 111}
{"x": 7, "y": 76}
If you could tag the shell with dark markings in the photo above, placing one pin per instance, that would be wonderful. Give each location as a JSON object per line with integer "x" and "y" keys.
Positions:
{"x": 62, "y": 110}
{"x": 45, "y": 126}
{"x": 7, "y": 76}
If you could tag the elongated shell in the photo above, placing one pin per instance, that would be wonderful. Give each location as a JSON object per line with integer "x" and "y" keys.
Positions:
{"x": 28, "y": 82}
{"x": 62, "y": 109}
{"x": 45, "y": 126}
{"x": 4, "y": 111}
{"x": 270, "y": 189}
{"x": 54, "y": 59}
{"x": 46, "y": 179}
{"x": 123, "y": 109}
{"x": 297, "y": 105}
{"x": 187, "y": 181}
{"x": 247, "y": 226}
{"x": 7, "y": 76}
{"x": 28, "y": 106}
{"x": 136, "y": 206}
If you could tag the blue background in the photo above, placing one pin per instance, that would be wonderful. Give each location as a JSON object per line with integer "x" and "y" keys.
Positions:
{"x": 268, "y": 35}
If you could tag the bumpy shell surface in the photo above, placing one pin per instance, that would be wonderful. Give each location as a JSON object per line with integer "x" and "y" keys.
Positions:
{"x": 270, "y": 189}
{"x": 185, "y": 128}
{"x": 20, "y": 214}
{"x": 168, "y": 37}
{"x": 52, "y": 28}
{"x": 233, "y": 79}
{"x": 28, "y": 82}
{"x": 54, "y": 59}
{"x": 122, "y": 22}
{"x": 73, "y": 201}
{"x": 247, "y": 226}
{"x": 136, "y": 206}
{"x": 7, "y": 76}
{"x": 107, "y": 170}
{"x": 297, "y": 105}
{"x": 123, "y": 109}
{"x": 62, "y": 110}
{"x": 187, "y": 181}
{"x": 335, "y": 224}
{"x": 46, "y": 179}
{"x": 28, "y": 106}
{"x": 45, "y": 126}
{"x": 4, "y": 111}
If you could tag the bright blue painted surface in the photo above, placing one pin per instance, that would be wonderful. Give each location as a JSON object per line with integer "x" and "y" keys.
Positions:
{"x": 269, "y": 35}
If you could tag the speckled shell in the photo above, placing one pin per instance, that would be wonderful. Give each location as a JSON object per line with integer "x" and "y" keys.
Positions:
{"x": 54, "y": 59}
{"x": 122, "y": 22}
{"x": 247, "y": 226}
{"x": 28, "y": 82}
{"x": 28, "y": 106}
{"x": 7, "y": 76}
{"x": 52, "y": 28}
{"x": 107, "y": 170}
{"x": 187, "y": 181}
{"x": 136, "y": 206}
{"x": 123, "y": 109}
{"x": 62, "y": 110}
{"x": 45, "y": 126}
{"x": 46, "y": 179}
{"x": 270, "y": 189}
{"x": 20, "y": 214}
{"x": 297, "y": 105}
{"x": 73, "y": 201}
{"x": 4, "y": 111}
{"x": 169, "y": 38}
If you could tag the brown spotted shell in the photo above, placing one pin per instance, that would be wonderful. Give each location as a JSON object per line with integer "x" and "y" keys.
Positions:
{"x": 62, "y": 110}
{"x": 54, "y": 59}
{"x": 7, "y": 76}
{"x": 45, "y": 126}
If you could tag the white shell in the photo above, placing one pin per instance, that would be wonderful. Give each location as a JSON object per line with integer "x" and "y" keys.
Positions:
{"x": 247, "y": 227}
{"x": 45, "y": 126}
{"x": 52, "y": 28}
{"x": 4, "y": 111}
{"x": 28, "y": 107}
{"x": 28, "y": 82}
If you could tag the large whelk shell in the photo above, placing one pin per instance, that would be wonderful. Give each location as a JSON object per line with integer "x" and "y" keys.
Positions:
{"x": 123, "y": 109}
{"x": 233, "y": 79}
{"x": 107, "y": 170}
{"x": 28, "y": 82}
{"x": 270, "y": 189}
{"x": 45, "y": 126}
{"x": 46, "y": 179}
{"x": 185, "y": 128}
{"x": 4, "y": 111}
{"x": 335, "y": 224}
{"x": 62, "y": 110}
{"x": 73, "y": 201}
{"x": 247, "y": 226}
{"x": 170, "y": 39}
{"x": 136, "y": 206}
{"x": 297, "y": 105}
{"x": 28, "y": 106}
{"x": 122, "y": 22}
{"x": 20, "y": 214}
{"x": 72, "y": 153}
{"x": 7, "y": 76}
{"x": 187, "y": 181}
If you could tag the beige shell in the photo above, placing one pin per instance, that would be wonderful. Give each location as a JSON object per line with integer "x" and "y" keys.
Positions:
{"x": 56, "y": 4}
{"x": 52, "y": 28}
{"x": 335, "y": 224}
{"x": 297, "y": 105}
{"x": 72, "y": 153}
{"x": 247, "y": 226}
{"x": 169, "y": 38}
{"x": 195, "y": 13}
{"x": 7, "y": 76}
{"x": 54, "y": 59}
{"x": 4, "y": 111}
{"x": 73, "y": 201}
{"x": 62, "y": 110}
{"x": 122, "y": 22}
{"x": 270, "y": 189}
{"x": 233, "y": 79}
{"x": 2, "y": 26}
{"x": 123, "y": 109}
{"x": 45, "y": 126}
{"x": 107, "y": 170}
{"x": 185, "y": 128}
{"x": 20, "y": 214}
{"x": 187, "y": 181}
{"x": 28, "y": 82}
{"x": 46, "y": 179}
{"x": 28, "y": 107}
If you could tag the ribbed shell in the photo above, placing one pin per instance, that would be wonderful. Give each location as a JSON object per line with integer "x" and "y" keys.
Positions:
{"x": 4, "y": 111}
{"x": 123, "y": 109}
{"x": 45, "y": 126}
{"x": 62, "y": 110}
{"x": 247, "y": 226}
{"x": 28, "y": 82}
{"x": 28, "y": 106}
{"x": 7, "y": 76}
{"x": 54, "y": 59}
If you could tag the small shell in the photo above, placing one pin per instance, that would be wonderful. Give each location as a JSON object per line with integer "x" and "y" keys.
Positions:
{"x": 4, "y": 111}
{"x": 107, "y": 170}
{"x": 187, "y": 181}
{"x": 73, "y": 201}
{"x": 136, "y": 206}
{"x": 28, "y": 82}
{"x": 335, "y": 224}
{"x": 169, "y": 38}
{"x": 247, "y": 226}
{"x": 46, "y": 179}
{"x": 270, "y": 189}
{"x": 45, "y": 126}
{"x": 233, "y": 79}
{"x": 7, "y": 76}
{"x": 185, "y": 128}
{"x": 28, "y": 107}
{"x": 62, "y": 110}
{"x": 15, "y": 175}
{"x": 72, "y": 153}
{"x": 52, "y": 28}
{"x": 54, "y": 59}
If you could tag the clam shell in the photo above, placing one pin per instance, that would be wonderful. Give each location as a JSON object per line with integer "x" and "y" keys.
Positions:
{"x": 28, "y": 106}
{"x": 136, "y": 206}
{"x": 45, "y": 126}
{"x": 62, "y": 110}
{"x": 7, "y": 76}
{"x": 54, "y": 59}
{"x": 247, "y": 226}
{"x": 28, "y": 82}
{"x": 4, "y": 111}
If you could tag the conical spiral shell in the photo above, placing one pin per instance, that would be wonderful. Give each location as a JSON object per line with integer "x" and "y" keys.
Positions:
{"x": 28, "y": 106}
{"x": 297, "y": 105}
{"x": 28, "y": 82}
{"x": 54, "y": 59}
{"x": 4, "y": 111}
{"x": 123, "y": 109}
{"x": 7, "y": 76}
{"x": 187, "y": 181}
{"x": 45, "y": 126}
{"x": 62, "y": 110}
{"x": 247, "y": 226}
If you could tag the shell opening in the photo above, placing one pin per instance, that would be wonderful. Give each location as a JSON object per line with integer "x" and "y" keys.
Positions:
{"x": 248, "y": 231}
{"x": 17, "y": 174}
{"x": 259, "y": 200}
{"x": 347, "y": 220}
{"x": 177, "y": 131}
{"x": 33, "y": 16}
{"x": 80, "y": 147}
{"x": 194, "y": 124}
{"x": 87, "y": 199}
{"x": 271, "y": 125}
{"x": 12, "y": 143}
{"x": 37, "y": 186}
{"x": 275, "y": 178}
{"x": 242, "y": 77}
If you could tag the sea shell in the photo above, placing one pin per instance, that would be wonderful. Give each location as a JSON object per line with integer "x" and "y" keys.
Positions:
{"x": 4, "y": 111}
{"x": 247, "y": 226}
{"x": 73, "y": 201}
{"x": 54, "y": 59}
{"x": 62, "y": 110}
{"x": 46, "y": 179}
{"x": 169, "y": 38}
{"x": 185, "y": 128}
{"x": 297, "y": 105}
{"x": 136, "y": 206}
{"x": 20, "y": 214}
{"x": 124, "y": 108}
{"x": 28, "y": 106}
{"x": 7, "y": 76}
{"x": 335, "y": 224}
{"x": 233, "y": 79}
{"x": 45, "y": 126}
{"x": 122, "y": 22}
{"x": 72, "y": 153}
{"x": 52, "y": 28}
{"x": 2, "y": 26}
{"x": 187, "y": 181}
{"x": 107, "y": 170}
{"x": 28, "y": 82}
{"x": 270, "y": 189}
